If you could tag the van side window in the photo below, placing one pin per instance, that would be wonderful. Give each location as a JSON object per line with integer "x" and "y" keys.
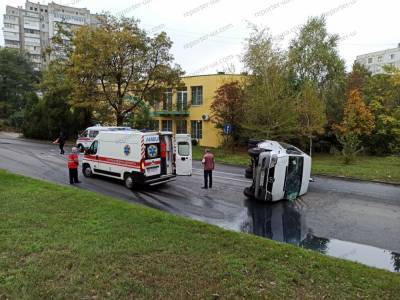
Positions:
{"x": 84, "y": 134}
{"x": 93, "y": 147}
{"x": 93, "y": 133}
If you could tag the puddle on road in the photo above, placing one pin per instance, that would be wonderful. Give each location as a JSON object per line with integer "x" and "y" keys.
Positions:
{"x": 283, "y": 222}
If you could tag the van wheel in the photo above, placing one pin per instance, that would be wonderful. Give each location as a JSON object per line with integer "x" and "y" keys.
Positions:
{"x": 87, "y": 171}
{"x": 129, "y": 183}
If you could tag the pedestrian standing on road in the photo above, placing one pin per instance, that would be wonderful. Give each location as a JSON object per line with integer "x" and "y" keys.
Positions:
{"x": 61, "y": 141}
{"x": 208, "y": 165}
{"x": 73, "y": 163}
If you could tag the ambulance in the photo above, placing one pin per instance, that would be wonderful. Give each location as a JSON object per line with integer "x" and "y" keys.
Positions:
{"x": 139, "y": 158}
{"x": 86, "y": 138}
{"x": 279, "y": 171}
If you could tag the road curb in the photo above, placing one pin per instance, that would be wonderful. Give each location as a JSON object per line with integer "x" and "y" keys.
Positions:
{"x": 46, "y": 142}
{"x": 356, "y": 179}
{"x": 397, "y": 184}
{"x": 329, "y": 176}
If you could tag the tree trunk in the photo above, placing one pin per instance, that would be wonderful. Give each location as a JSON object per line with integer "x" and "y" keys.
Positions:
{"x": 310, "y": 146}
{"x": 120, "y": 119}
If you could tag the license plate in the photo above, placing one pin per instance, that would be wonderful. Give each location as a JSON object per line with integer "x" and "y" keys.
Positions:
{"x": 153, "y": 170}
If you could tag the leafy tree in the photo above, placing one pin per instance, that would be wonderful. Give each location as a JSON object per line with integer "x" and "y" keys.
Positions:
{"x": 357, "y": 79}
{"x": 17, "y": 82}
{"x": 140, "y": 118}
{"x": 118, "y": 59}
{"x": 53, "y": 112}
{"x": 227, "y": 108}
{"x": 357, "y": 121}
{"x": 382, "y": 93}
{"x": 35, "y": 123}
{"x": 311, "y": 112}
{"x": 269, "y": 106}
{"x": 314, "y": 57}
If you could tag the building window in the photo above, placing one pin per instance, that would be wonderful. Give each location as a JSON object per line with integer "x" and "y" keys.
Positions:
{"x": 167, "y": 103}
{"x": 45, "y": 10}
{"x": 181, "y": 99}
{"x": 197, "y": 95}
{"x": 379, "y": 58}
{"x": 370, "y": 60}
{"x": 392, "y": 56}
{"x": 166, "y": 125}
{"x": 181, "y": 126}
{"x": 197, "y": 129}
{"x": 31, "y": 8}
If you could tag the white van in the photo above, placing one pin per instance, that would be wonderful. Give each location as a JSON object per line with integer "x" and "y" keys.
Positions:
{"x": 279, "y": 171}
{"x": 139, "y": 157}
{"x": 86, "y": 138}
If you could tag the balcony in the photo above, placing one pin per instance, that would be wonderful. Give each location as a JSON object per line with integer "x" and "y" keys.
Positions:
{"x": 171, "y": 110}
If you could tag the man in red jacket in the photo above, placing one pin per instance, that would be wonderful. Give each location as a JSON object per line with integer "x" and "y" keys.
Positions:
{"x": 73, "y": 163}
{"x": 208, "y": 165}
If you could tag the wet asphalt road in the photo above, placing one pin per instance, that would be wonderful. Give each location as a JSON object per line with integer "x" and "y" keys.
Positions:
{"x": 357, "y": 212}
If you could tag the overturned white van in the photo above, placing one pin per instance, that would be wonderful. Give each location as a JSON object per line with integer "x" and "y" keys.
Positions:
{"x": 279, "y": 171}
{"x": 138, "y": 157}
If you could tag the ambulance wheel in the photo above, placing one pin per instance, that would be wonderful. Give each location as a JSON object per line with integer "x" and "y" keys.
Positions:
{"x": 87, "y": 171}
{"x": 129, "y": 183}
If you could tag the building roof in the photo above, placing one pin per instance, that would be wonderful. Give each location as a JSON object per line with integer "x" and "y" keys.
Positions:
{"x": 214, "y": 74}
{"x": 378, "y": 52}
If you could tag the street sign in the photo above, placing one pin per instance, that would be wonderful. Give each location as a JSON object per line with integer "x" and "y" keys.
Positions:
{"x": 227, "y": 128}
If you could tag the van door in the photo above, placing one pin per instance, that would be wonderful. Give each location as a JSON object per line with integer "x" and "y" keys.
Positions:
{"x": 183, "y": 154}
{"x": 93, "y": 156}
{"x": 169, "y": 146}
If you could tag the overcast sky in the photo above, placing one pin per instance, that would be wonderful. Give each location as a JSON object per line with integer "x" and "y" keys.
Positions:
{"x": 208, "y": 35}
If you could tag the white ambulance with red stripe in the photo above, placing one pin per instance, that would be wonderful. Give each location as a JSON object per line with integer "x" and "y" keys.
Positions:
{"x": 86, "y": 138}
{"x": 138, "y": 157}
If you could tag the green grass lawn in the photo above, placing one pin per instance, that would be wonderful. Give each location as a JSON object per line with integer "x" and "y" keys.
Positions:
{"x": 364, "y": 167}
{"x": 62, "y": 242}
{"x": 240, "y": 158}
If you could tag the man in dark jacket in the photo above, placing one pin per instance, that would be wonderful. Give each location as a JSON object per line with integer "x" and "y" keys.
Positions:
{"x": 61, "y": 141}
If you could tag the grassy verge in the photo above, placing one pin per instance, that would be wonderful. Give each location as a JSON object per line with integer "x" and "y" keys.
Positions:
{"x": 61, "y": 242}
{"x": 364, "y": 167}
{"x": 240, "y": 158}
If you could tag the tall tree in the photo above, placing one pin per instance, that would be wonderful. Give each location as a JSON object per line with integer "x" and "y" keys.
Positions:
{"x": 311, "y": 110}
{"x": 17, "y": 81}
{"x": 382, "y": 94}
{"x": 357, "y": 121}
{"x": 357, "y": 79}
{"x": 227, "y": 108}
{"x": 122, "y": 60}
{"x": 270, "y": 110}
{"x": 314, "y": 57}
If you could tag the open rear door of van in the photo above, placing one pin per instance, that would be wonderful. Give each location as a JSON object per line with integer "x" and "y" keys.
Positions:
{"x": 183, "y": 148}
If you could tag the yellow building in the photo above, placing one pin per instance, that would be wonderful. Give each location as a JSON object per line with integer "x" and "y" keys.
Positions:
{"x": 187, "y": 109}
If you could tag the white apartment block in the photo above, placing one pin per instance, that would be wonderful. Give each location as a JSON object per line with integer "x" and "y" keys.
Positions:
{"x": 32, "y": 28}
{"x": 375, "y": 61}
